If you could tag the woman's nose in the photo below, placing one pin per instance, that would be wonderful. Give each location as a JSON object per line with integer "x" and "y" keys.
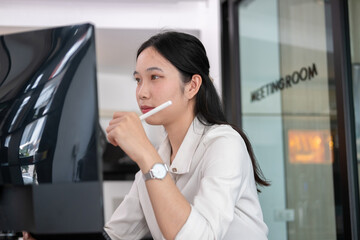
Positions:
{"x": 143, "y": 90}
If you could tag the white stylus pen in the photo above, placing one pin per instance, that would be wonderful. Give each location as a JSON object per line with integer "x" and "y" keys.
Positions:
{"x": 155, "y": 110}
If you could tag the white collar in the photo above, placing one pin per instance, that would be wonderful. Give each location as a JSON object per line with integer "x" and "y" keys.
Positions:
{"x": 182, "y": 161}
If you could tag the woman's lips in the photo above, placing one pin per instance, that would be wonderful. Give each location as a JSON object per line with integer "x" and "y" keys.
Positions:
{"x": 145, "y": 109}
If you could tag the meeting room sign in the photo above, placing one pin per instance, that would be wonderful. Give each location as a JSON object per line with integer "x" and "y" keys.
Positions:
{"x": 297, "y": 77}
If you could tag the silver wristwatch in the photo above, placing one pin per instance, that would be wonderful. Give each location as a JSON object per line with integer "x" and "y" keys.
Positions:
{"x": 158, "y": 171}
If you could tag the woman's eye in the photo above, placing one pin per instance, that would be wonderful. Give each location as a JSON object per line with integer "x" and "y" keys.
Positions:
{"x": 137, "y": 80}
{"x": 154, "y": 77}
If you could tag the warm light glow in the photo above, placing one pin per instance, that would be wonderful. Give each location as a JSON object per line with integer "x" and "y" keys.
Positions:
{"x": 310, "y": 147}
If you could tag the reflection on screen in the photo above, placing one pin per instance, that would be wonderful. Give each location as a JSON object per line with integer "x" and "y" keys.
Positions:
{"x": 48, "y": 106}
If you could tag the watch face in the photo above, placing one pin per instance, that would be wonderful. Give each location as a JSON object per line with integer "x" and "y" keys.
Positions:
{"x": 159, "y": 171}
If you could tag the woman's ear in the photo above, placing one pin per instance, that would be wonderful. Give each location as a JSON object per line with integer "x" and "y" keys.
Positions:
{"x": 193, "y": 86}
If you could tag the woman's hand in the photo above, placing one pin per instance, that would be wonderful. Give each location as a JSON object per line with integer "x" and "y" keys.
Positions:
{"x": 126, "y": 131}
{"x": 27, "y": 236}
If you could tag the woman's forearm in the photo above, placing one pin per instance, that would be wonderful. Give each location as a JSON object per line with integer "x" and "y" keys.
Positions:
{"x": 170, "y": 206}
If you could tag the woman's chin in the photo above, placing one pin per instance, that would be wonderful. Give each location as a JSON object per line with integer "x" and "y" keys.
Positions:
{"x": 152, "y": 121}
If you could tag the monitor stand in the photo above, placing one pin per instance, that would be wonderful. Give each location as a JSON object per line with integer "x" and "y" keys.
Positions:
{"x": 51, "y": 211}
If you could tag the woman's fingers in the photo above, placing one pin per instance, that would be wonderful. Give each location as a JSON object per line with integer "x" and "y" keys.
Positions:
{"x": 120, "y": 125}
{"x": 115, "y": 123}
{"x": 126, "y": 131}
{"x": 119, "y": 114}
{"x": 121, "y": 117}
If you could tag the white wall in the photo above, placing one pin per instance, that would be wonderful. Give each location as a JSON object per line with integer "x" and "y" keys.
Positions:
{"x": 201, "y": 15}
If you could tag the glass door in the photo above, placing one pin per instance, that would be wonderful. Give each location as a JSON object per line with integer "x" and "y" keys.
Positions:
{"x": 288, "y": 110}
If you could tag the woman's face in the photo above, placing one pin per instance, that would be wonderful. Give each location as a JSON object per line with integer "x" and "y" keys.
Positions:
{"x": 158, "y": 82}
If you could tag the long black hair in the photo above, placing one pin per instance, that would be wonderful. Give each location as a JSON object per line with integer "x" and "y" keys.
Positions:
{"x": 188, "y": 55}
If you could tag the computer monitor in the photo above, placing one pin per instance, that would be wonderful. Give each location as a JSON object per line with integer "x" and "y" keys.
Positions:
{"x": 50, "y": 140}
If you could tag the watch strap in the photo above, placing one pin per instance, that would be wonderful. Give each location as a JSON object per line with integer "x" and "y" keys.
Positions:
{"x": 148, "y": 175}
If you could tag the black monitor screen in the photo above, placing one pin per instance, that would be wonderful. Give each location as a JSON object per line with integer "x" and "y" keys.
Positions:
{"x": 48, "y": 106}
{"x": 49, "y": 134}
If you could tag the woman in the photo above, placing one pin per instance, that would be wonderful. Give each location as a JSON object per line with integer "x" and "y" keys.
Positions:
{"x": 204, "y": 172}
{"x": 209, "y": 191}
